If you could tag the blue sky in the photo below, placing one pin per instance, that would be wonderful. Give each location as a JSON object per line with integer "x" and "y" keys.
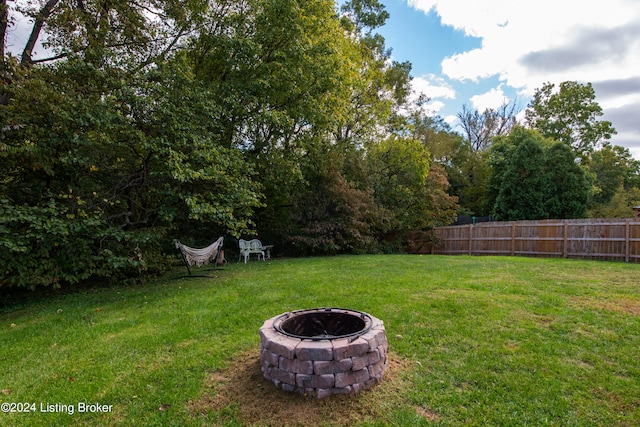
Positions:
{"x": 483, "y": 52}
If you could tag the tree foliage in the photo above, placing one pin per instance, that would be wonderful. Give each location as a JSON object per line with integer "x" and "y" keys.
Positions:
{"x": 616, "y": 176}
{"x": 522, "y": 191}
{"x": 330, "y": 214}
{"x": 536, "y": 178}
{"x": 569, "y": 188}
{"x": 144, "y": 121}
{"x": 151, "y": 120}
{"x": 570, "y": 115}
{"x": 110, "y": 157}
{"x": 397, "y": 170}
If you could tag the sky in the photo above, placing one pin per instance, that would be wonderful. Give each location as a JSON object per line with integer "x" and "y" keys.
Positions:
{"x": 485, "y": 52}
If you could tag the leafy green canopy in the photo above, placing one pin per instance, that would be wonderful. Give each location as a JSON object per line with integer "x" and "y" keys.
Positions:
{"x": 536, "y": 178}
{"x": 570, "y": 115}
{"x": 194, "y": 119}
{"x": 108, "y": 157}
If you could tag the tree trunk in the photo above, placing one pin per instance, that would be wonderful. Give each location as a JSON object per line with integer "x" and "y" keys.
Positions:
{"x": 41, "y": 18}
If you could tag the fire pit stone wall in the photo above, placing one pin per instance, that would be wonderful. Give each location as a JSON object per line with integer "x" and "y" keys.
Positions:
{"x": 323, "y": 367}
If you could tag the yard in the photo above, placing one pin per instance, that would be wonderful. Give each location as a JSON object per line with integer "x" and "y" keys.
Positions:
{"x": 473, "y": 341}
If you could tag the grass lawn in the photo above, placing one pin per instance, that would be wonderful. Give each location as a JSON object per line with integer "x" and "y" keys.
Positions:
{"x": 477, "y": 341}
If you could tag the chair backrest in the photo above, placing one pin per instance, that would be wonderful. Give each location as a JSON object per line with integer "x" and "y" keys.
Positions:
{"x": 255, "y": 245}
{"x": 244, "y": 245}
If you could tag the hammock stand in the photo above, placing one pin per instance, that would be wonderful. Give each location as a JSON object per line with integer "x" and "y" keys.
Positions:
{"x": 200, "y": 257}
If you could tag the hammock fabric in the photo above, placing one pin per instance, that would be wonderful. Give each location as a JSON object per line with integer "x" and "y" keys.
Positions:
{"x": 200, "y": 257}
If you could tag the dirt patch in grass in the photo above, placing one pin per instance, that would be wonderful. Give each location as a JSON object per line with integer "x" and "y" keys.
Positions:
{"x": 241, "y": 393}
{"x": 619, "y": 305}
{"x": 427, "y": 414}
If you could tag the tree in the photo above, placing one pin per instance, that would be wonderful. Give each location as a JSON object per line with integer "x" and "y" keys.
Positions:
{"x": 616, "y": 177}
{"x": 536, "y": 178}
{"x": 130, "y": 34}
{"x": 569, "y": 115}
{"x": 364, "y": 15}
{"x": 397, "y": 171}
{"x": 330, "y": 215}
{"x": 380, "y": 87}
{"x": 523, "y": 185}
{"x": 620, "y": 206}
{"x": 569, "y": 186}
{"x": 614, "y": 169}
{"x": 443, "y": 190}
{"x": 481, "y": 129}
{"x": 356, "y": 112}
{"x": 469, "y": 172}
{"x": 98, "y": 166}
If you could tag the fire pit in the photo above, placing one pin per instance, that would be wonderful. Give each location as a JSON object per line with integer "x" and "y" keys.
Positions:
{"x": 323, "y": 351}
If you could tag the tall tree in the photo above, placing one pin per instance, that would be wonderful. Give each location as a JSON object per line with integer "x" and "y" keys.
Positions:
{"x": 481, "y": 128}
{"x": 570, "y": 115}
{"x": 381, "y": 85}
{"x": 568, "y": 184}
{"x": 364, "y": 16}
{"x": 536, "y": 178}
{"x": 523, "y": 187}
{"x": 128, "y": 33}
{"x": 470, "y": 172}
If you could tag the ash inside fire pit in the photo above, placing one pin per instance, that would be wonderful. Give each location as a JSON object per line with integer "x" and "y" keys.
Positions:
{"x": 324, "y": 351}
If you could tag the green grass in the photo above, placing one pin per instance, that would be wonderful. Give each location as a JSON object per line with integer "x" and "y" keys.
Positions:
{"x": 486, "y": 341}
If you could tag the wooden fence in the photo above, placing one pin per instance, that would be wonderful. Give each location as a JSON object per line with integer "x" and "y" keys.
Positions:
{"x": 604, "y": 239}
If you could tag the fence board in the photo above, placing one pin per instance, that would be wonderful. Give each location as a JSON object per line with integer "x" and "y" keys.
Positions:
{"x": 599, "y": 238}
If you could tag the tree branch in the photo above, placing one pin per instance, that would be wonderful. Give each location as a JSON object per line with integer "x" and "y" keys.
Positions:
{"x": 41, "y": 18}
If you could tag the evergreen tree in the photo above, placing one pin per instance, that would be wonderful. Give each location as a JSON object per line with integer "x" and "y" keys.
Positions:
{"x": 522, "y": 193}
{"x": 568, "y": 184}
{"x": 537, "y": 178}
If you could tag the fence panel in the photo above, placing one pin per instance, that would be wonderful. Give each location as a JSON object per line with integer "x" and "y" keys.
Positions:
{"x": 605, "y": 239}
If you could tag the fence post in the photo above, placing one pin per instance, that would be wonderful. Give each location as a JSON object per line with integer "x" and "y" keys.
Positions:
{"x": 513, "y": 239}
{"x": 565, "y": 237}
{"x": 627, "y": 240}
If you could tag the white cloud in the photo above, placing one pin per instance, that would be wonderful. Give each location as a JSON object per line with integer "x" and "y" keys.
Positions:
{"x": 494, "y": 98}
{"x": 433, "y": 87}
{"x": 529, "y": 43}
{"x": 452, "y": 120}
{"x": 526, "y": 44}
{"x": 434, "y": 107}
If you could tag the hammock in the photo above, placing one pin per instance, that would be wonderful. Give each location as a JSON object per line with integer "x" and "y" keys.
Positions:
{"x": 200, "y": 257}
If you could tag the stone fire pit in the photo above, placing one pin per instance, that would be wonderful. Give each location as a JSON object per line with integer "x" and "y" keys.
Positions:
{"x": 323, "y": 351}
